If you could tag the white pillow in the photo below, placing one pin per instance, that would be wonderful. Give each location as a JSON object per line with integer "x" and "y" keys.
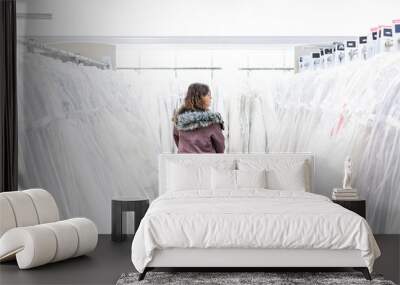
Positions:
{"x": 287, "y": 179}
{"x": 223, "y": 179}
{"x": 251, "y": 178}
{"x": 182, "y": 177}
{"x": 282, "y": 174}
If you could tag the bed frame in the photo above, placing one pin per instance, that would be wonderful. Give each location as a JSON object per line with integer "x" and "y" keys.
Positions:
{"x": 249, "y": 259}
{"x": 234, "y": 259}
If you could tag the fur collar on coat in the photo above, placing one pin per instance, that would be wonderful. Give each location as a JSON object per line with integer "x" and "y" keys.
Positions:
{"x": 188, "y": 121}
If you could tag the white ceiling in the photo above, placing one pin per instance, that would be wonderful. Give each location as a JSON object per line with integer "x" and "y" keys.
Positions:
{"x": 130, "y": 18}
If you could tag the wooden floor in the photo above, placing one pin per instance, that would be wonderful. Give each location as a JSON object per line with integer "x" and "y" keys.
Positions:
{"x": 111, "y": 259}
{"x": 102, "y": 266}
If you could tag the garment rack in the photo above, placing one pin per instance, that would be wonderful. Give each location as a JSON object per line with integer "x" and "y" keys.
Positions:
{"x": 169, "y": 68}
{"x": 266, "y": 68}
{"x": 34, "y": 45}
{"x": 203, "y": 68}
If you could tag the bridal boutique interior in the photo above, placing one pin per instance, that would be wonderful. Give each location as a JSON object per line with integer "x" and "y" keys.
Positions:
{"x": 99, "y": 81}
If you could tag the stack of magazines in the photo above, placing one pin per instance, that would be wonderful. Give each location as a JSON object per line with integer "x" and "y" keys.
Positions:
{"x": 345, "y": 194}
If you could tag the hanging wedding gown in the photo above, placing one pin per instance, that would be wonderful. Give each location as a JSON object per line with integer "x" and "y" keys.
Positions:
{"x": 83, "y": 137}
{"x": 353, "y": 110}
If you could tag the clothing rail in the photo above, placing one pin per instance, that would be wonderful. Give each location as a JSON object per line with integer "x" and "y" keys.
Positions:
{"x": 169, "y": 68}
{"x": 203, "y": 68}
{"x": 63, "y": 55}
{"x": 266, "y": 68}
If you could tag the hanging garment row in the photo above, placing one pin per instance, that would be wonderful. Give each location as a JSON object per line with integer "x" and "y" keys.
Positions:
{"x": 113, "y": 150}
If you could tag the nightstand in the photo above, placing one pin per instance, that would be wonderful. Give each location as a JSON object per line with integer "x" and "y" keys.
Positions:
{"x": 124, "y": 204}
{"x": 357, "y": 206}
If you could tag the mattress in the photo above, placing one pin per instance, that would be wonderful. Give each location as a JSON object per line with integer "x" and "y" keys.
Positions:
{"x": 250, "y": 219}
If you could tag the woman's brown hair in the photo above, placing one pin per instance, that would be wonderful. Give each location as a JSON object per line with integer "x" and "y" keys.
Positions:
{"x": 193, "y": 100}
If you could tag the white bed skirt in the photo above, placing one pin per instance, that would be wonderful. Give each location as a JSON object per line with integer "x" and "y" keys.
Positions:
{"x": 235, "y": 257}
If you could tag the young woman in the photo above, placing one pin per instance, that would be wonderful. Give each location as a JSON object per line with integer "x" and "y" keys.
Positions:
{"x": 196, "y": 129}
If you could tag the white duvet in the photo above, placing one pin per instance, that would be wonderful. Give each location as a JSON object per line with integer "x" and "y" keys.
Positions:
{"x": 252, "y": 218}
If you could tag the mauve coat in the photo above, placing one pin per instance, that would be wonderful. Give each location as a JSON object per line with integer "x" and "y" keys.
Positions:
{"x": 199, "y": 132}
{"x": 202, "y": 140}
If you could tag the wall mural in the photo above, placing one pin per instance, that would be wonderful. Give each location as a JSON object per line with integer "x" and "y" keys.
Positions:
{"x": 88, "y": 134}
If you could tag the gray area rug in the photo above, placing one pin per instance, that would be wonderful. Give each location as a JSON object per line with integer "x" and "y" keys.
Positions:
{"x": 273, "y": 278}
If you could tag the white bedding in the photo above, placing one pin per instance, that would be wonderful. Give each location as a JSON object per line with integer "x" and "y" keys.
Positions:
{"x": 251, "y": 218}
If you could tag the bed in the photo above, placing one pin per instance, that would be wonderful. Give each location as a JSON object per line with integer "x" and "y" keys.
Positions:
{"x": 247, "y": 211}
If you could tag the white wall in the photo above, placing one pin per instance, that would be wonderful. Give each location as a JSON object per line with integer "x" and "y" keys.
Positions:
{"x": 207, "y": 17}
{"x": 195, "y": 56}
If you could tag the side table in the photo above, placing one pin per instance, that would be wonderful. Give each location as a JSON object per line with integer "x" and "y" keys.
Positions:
{"x": 357, "y": 206}
{"x": 119, "y": 205}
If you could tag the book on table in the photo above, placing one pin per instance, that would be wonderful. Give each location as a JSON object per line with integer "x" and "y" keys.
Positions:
{"x": 345, "y": 197}
{"x": 341, "y": 190}
{"x": 345, "y": 194}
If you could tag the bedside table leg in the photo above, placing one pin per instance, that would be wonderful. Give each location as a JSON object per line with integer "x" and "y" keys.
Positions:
{"x": 139, "y": 214}
{"x": 116, "y": 221}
